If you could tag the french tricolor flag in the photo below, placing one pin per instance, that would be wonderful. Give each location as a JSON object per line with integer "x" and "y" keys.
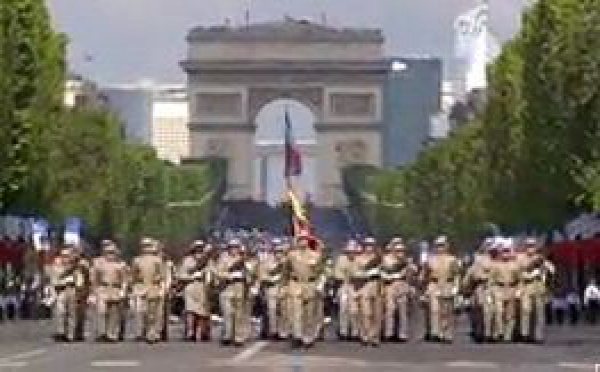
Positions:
{"x": 293, "y": 161}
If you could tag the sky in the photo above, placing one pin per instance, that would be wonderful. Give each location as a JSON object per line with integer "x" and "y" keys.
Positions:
{"x": 118, "y": 41}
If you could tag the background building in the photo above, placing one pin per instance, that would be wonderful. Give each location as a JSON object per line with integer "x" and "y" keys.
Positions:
{"x": 412, "y": 102}
{"x": 154, "y": 115}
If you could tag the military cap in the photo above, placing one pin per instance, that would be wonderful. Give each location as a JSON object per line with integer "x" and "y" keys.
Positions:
{"x": 441, "y": 240}
{"x": 282, "y": 247}
{"x": 146, "y": 241}
{"x": 369, "y": 241}
{"x": 350, "y": 245}
{"x": 66, "y": 251}
{"x": 234, "y": 242}
{"x": 399, "y": 246}
{"x": 530, "y": 241}
{"x": 149, "y": 245}
{"x": 109, "y": 247}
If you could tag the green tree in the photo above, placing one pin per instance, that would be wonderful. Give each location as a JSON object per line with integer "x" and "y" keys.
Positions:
{"x": 31, "y": 78}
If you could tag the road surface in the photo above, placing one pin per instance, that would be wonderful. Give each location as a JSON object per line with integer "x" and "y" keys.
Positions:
{"x": 26, "y": 346}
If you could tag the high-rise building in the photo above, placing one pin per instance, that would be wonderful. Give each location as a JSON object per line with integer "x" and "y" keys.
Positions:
{"x": 155, "y": 115}
{"x": 412, "y": 100}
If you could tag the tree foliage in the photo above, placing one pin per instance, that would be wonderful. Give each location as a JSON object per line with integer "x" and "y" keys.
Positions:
{"x": 57, "y": 162}
{"x": 530, "y": 159}
{"x": 31, "y": 78}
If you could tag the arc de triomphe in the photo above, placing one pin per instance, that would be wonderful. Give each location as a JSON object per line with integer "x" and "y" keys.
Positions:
{"x": 233, "y": 72}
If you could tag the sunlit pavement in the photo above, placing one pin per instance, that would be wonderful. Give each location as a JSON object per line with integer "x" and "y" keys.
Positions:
{"x": 26, "y": 346}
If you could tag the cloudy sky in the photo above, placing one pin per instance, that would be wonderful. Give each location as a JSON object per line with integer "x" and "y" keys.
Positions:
{"x": 132, "y": 40}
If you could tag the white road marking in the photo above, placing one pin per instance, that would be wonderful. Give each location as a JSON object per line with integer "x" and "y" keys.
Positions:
{"x": 115, "y": 363}
{"x": 13, "y": 364}
{"x": 584, "y": 366}
{"x": 24, "y": 355}
{"x": 250, "y": 352}
{"x": 471, "y": 364}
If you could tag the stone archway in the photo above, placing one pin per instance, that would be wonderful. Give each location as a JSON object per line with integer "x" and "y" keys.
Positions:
{"x": 235, "y": 73}
{"x": 269, "y": 151}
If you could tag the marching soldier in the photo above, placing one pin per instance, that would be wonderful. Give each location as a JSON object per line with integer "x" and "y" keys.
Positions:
{"x": 252, "y": 301}
{"x": 535, "y": 269}
{"x": 83, "y": 289}
{"x": 505, "y": 274}
{"x": 109, "y": 279}
{"x": 149, "y": 287}
{"x": 477, "y": 283}
{"x": 232, "y": 274}
{"x": 195, "y": 276}
{"x": 305, "y": 271}
{"x": 63, "y": 281}
{"x": 347, "y": 320}
{"x": 366, "y": 278}
{"x": 396, "y": 275}
{"x": 271, "y": 278}
{"x": 441, "y": 275}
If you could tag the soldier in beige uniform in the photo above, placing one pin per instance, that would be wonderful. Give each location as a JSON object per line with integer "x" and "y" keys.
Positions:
{"x": 234, "y": 279}
{"x": 83, "y": 289}
{"x": 367, "y": 285}
{"x": 504, "y": 275}
{"x": 442, "y": 277}
{"x": 195, "y": 275}
{"x": 305, "y": 271}
{"x": 63, "y": 281}
{"x": 342, "y": 271}
{"x": 535, "y": 270}
{"x": 477, "y": 284}
{"x": 149, "y": 287}
{"x": 109, "y": 279}
{"x": 271, "y": 276}
{"x": 396, "y": 275}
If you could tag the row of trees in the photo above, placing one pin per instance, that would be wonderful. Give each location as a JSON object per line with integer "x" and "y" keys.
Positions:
{"x": 529, "y": 160}
{"x": 57, "y": 162}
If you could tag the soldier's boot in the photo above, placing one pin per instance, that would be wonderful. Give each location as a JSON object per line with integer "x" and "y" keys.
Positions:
{"x": 205, "y": 329}
{"x": 539, "y": 320}
{"x": 190, "y": 327}
{"x": 389, "y": 312}
{"x": 434, "y": 319}
{"x": 403, "y": 319}
{"x": 101, "y": 327}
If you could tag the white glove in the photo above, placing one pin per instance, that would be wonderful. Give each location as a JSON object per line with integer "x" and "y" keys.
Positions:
{"x": 536, "y": 273}
{"x": 236, "y": 275}
{"x": 372, "y": 272}
{"x": 253, "y": 291}
{"x": 518, "y": 293}
{"x": 454, "y": 290}
{"x": 321, "y": 286}
{"x": 275, "y": 278}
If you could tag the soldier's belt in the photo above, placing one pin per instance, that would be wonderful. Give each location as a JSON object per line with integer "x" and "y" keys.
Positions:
{"x": 235, "y": 280}
{"x": 512, "y": 284}
{"x": 436, "y": 280}
{"x": 298, "y": 279}
{"x": 391, "y": 279}
{"x": 111, "y": 285}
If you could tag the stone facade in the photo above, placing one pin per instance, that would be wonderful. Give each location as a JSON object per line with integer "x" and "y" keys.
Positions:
{"x": 338, "y": 74}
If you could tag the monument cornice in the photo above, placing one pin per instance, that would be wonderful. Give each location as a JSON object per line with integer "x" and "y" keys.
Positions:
{"x": 285, "y": 67}
{"x": 196, "y": 126}
{"x": 325, "y": 127}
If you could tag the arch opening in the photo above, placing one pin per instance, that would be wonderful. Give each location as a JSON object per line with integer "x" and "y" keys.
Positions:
{"x": 269, "y": 144}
